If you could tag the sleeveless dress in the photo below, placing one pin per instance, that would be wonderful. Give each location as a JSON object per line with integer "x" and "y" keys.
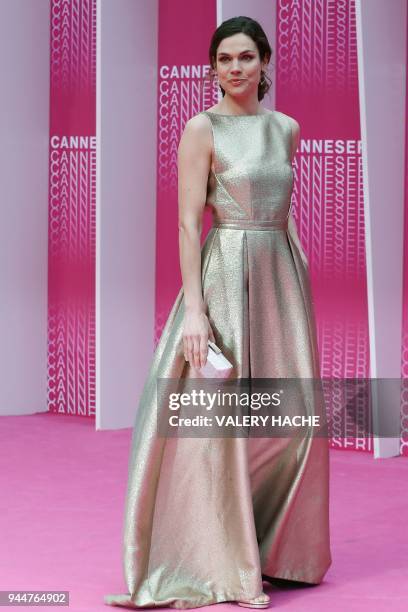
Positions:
{"x": 207, "y": 520}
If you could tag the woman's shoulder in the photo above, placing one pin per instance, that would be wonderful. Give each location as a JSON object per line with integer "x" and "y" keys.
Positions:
{"x": 196, "y": 134}
{"x": 290, "y": 121}
{"x": 197, "y": 126}
{"x": 293, "y": 131}
{"x": 198, "y": 121}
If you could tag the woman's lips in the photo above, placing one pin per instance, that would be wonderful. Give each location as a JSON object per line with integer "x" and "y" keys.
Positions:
{"x": 236, "y": 81}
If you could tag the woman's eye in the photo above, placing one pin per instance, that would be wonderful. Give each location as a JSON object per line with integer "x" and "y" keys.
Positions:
{"x": 225, "y": 59}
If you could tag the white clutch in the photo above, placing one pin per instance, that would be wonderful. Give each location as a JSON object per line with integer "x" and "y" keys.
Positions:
{"x": 217, "y": 365}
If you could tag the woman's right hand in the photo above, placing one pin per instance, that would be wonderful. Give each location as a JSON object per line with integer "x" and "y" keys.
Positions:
{"x": 196, "y": 332}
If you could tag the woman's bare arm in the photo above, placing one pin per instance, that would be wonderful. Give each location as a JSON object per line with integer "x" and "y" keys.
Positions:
{"x": 194, "y": 160}
{"x": 291, "y": 221}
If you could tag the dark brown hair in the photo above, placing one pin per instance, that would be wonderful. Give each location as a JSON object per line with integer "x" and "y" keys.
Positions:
{"x": 251, "y": 28}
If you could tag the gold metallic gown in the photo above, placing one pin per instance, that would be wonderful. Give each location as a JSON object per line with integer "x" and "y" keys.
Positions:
{"x": 206, "y": 519}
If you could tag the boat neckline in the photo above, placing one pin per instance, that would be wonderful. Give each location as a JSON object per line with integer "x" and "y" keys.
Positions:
{"x": 269, "y": 112}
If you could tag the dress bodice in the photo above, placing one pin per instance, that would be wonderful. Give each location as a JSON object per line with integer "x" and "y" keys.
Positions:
{"x": 252, "y": 176}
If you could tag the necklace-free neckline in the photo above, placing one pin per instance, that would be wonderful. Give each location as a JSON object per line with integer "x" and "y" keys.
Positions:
{"x": 269, "y": 112}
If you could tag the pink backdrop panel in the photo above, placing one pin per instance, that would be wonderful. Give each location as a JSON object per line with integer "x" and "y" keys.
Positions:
{"x": 71, "y": 247}
{"x": 184, "y": 30}
{"x": 317, "y": 85}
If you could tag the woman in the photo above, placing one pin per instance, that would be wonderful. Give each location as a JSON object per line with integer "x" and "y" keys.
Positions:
{"x": 208, "y": 519}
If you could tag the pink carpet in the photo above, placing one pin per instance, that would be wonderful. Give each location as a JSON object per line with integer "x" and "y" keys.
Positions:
{"x": 62, "y": 495}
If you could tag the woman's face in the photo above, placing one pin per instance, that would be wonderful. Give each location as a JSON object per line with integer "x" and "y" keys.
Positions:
{"x": 238, "y": 58}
